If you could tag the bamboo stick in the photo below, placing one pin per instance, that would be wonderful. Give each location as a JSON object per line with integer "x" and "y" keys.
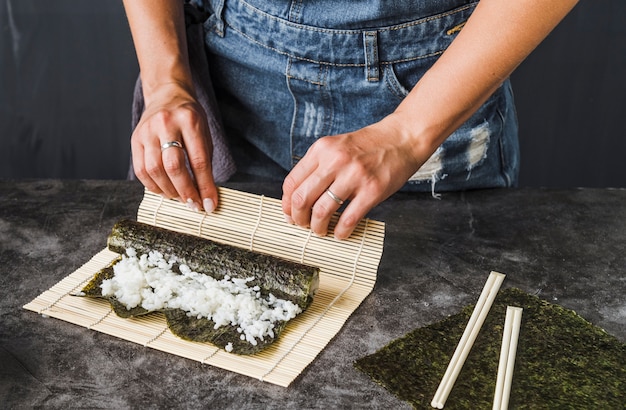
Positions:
{"x": 467, "y": 339}
{"x": 508, "y": 351}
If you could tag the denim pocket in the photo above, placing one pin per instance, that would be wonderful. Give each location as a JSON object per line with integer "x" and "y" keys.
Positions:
{"x": 401, "y": 74}
{"x": 400, "y": 78}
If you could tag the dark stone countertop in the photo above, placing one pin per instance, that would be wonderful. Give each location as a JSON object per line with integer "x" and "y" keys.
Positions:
{"x": 567, "y": 246}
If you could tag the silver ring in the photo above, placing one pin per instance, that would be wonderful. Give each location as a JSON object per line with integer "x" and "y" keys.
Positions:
{"x": 334, "y": 197}
{"x": 171, "y": 144}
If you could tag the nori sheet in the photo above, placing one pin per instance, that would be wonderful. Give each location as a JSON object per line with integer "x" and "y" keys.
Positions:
{"x": 284, "y": 279}
{"x": 93, "y": 290}
{"x": 202, "y": 330}
{"x": 180, "y": 324}
{"x": 563, "y": 361}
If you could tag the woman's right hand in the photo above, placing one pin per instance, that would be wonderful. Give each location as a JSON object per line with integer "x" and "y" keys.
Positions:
{"x": 173, "y": 114}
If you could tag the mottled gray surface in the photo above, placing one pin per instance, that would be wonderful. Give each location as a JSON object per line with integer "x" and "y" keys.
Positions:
{"x": 569, "y": 247}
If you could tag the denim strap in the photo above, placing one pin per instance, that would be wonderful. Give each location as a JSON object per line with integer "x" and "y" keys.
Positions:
{"x": 370, "y": 45}
{"x": 216, "y": 20}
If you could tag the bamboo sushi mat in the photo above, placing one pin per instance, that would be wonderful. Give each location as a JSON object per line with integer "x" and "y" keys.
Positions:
{"x": 347, "y": 275}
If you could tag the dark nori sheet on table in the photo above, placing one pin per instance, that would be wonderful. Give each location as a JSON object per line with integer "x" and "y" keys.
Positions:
{"x": 563, "y": 361}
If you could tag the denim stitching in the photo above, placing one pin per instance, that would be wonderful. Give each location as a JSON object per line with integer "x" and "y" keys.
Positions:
{"x": 456, "y": 29}
{"x": 326, "y": 100}
{"x": 358, "y": 32}
{"x": 326, "y": 104}
{"x": 281, "y": 52}
{"x": 295, "y": 11}
{"x": 406, "y": 60}
{"x": 370, "y": 39}
{"x": 503, "y": 163}
{"x": 290, "y": 76}
{"x": 293, "y": 117}
{"x": 392, "y": 86}
{"x": 293, "y": 77}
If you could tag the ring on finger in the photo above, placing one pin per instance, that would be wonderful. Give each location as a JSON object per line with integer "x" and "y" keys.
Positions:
{"x": 334, "y": 197}
{"x": 171, "y": 144}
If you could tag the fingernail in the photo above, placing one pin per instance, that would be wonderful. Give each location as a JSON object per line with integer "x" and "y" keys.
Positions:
{"x": 339, "y": 238}
{"x": 192, "y": 205}
{"x": 209, "y": 206}
{"x": 289, "y": 220}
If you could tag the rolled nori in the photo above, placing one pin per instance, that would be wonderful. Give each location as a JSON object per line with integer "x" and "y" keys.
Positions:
{"x": 285, "y": 279}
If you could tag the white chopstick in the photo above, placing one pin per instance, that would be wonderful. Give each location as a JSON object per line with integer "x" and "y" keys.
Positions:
{"x": 467, "y": 339}
{"x": 510, "y": 336}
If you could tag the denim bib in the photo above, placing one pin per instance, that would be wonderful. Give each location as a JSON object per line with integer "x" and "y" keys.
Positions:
{"x": 287, "y": 72}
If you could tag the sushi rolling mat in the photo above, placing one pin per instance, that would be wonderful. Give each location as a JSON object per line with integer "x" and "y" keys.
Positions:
{"x": 347, "y": 275}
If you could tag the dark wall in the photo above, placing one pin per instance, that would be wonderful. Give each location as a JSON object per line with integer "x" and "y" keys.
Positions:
{"x": 571, "y": 97}
{"x": 67, "y": 69}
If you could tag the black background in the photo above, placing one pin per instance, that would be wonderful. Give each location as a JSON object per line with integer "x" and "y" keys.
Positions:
{"x": 67, "y": 70}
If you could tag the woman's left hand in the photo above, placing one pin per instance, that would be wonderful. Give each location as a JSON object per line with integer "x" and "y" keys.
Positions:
{"x": 363, "y": 167}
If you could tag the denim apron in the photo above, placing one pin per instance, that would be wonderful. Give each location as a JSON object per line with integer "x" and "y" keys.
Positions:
{"x": 287, "y": 72}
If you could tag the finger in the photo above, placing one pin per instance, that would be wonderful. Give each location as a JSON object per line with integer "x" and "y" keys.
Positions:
{"x": 306, "y": 195}
{"x": 327, "y": 204}
{"x": 155, "y": 168}
{"x": 352, "y": 215}
{"x": 292, "y": 182}
{"x": 200, "y": 154}
{"x": 174, "y": 164}
{"x": 139, "y": 168}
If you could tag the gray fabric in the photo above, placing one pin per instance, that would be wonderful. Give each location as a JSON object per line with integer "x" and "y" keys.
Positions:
{"x": 222, "y": 161}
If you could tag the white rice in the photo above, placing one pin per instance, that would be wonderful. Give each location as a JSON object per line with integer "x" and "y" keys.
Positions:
{"x": 149, "y": 281}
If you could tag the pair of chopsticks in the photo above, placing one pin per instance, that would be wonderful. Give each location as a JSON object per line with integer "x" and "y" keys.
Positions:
{"x": 507, "y": 353}
{"x": 507, "y": 357}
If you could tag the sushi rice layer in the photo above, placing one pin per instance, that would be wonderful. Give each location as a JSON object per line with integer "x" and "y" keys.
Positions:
{"x": 153, "y": 283}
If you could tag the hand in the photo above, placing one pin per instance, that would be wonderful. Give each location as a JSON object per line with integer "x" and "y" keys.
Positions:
{"x": 172, "y": 114}
{"x": 364, "y": 167}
